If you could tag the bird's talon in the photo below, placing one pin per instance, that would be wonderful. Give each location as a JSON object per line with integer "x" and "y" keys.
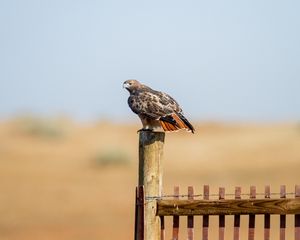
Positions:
{"x": 145, "y": 129}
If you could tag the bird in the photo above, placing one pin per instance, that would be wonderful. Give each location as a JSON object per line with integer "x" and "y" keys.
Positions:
{"x": 157, "y": 110}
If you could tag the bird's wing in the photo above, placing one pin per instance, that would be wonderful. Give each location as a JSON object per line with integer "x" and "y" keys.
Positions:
{"x": 153, "y": 104}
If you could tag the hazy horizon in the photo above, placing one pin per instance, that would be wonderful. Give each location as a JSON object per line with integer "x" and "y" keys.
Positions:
{"x": 223, "y": 61}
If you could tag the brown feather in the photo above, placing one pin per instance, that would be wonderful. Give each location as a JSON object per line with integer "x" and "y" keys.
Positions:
{"x": 168, "y": 126}
{"x": 163, "y": 125}
{"x": 172, "y": 127}
{"x": 180, "y": 123}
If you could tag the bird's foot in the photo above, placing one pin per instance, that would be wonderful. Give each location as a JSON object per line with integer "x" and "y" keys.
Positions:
{"x": 145, "y": 129}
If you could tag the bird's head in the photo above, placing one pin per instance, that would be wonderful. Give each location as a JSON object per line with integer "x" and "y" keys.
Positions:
{"x": 131, "y": 85}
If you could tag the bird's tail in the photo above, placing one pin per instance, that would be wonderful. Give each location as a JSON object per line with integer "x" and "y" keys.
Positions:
{"x": 187, "y": 124}
{"x": 174, "y": 122}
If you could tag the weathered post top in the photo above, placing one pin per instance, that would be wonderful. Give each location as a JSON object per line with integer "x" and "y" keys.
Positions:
{"x": 150, "y": 175}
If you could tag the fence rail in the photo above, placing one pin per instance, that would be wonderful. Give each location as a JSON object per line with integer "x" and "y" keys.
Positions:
{"x": 227, "y": 207}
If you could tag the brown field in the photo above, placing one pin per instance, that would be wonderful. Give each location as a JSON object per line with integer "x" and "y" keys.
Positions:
{"x": 62, "y": 180}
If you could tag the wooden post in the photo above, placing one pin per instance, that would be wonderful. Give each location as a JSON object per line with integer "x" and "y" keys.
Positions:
{"x": 150, "y": 176}
{"x": 139, "y": 213}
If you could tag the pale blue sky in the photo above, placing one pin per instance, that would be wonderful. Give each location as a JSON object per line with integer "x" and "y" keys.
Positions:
{"x": 222, "y": 60}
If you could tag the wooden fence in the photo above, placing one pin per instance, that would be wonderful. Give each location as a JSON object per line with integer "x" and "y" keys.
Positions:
{"x": 251, "y": 204}
{"x": 152, "y": 206}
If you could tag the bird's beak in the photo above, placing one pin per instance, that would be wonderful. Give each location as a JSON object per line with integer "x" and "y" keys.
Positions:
{"x": 125, "y": 85}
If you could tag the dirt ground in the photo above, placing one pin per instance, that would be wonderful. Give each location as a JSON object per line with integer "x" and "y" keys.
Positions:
{"x": 64, "y": 180}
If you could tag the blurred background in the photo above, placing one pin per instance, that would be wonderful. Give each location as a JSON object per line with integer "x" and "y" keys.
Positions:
{"x": 68, "y": 141}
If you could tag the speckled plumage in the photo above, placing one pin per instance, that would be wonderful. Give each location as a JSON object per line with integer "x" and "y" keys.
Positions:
{"x": 155, "y": 108}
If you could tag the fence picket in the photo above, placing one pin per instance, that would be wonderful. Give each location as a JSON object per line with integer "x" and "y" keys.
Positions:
{"x": 205, "y": 217}
{"x": 282, "y": 217}
{"x": 297, "y": 216}
{"x": 190, "y": 219}
{"x": 162, "y": 228}
{"x": 139, "y": 213}
{"x": 176, "y": 218}
{"x": 237, "y": 218}
{"x": 251, "y": 229}
{"x": 267, "y": 217}
{"x": 221, "y": 217}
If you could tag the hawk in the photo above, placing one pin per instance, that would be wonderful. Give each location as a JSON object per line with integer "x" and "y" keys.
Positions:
{"x": 155, "y": 109}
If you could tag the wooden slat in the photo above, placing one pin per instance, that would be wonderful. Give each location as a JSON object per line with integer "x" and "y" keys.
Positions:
{"x": 221, "y": 217}
{"x": 237, "y": 218}
{"x": 139, "y": 213}
{"x": 176, "y": 218}
{"x": 162, "y": 228}
{"x": 205, "y": 217}
{"x": 228, "y": 207}
{"x": 190, "y": 219}
{"x": 297, "y": 216}
{"x": 267, "y": 217}
{"x": 282, "y": 217}
{"x": 136, "y": 214}
{"x": 251, "y": 229}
